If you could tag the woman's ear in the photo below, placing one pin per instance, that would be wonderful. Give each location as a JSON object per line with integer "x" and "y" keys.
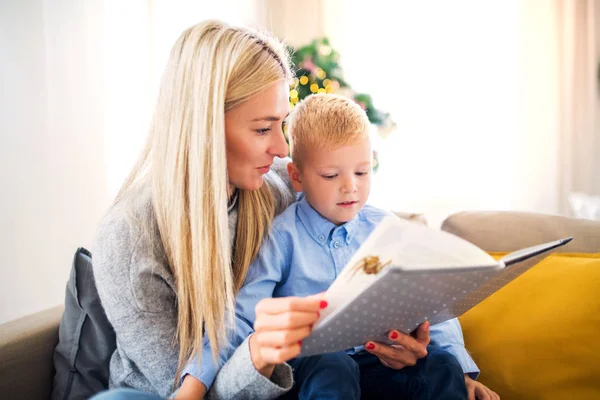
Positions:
{"x": 295, "y": 176}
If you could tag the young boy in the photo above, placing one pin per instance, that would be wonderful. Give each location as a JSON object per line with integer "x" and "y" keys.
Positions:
{"x": 311, "y": 242}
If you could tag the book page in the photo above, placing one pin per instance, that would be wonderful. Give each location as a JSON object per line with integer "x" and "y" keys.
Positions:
{"x": 408, "y": 246}
{"x": 416, "y": 246}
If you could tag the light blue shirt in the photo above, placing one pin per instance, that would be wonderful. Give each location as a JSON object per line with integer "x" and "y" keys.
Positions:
{"x": 302, "y": 255}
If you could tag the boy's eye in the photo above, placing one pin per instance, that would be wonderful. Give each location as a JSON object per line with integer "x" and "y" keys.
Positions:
{"x": 329, "y": 176}
{"x": 263, "y": 131}
{"x": 362, "y": 173}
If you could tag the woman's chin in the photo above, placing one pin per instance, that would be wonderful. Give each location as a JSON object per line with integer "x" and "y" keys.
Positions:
{"x": 251, "y": 184}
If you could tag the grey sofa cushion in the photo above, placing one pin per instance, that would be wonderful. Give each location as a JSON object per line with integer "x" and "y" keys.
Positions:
{"x": 511, "y": 230}
{"x": 86, "y": 338}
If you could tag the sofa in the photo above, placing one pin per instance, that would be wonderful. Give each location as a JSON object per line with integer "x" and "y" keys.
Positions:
{"x": 522, "y": 345}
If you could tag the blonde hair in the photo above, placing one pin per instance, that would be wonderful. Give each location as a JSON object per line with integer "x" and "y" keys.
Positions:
{"x": 325, "y": 120}
{"x": 212, "y": 68}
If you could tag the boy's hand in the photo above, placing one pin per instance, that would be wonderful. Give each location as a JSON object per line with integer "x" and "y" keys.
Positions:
{"x": 279, "y": 328}
{"x": 479, "y": 391}
{"x": 407, "y": 350}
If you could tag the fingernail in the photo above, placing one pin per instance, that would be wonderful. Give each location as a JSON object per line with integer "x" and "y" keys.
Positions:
{"x": 370, "y": 346}
{"x": 426, "y": 325}
{"x": 323, "y": 304}
{"x": 318, "y": 314}
{"x": 299, "y": 342}
{"x": 394, "y": 335}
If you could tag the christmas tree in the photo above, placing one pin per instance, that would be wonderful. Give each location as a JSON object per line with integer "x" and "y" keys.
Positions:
{"x": 318, "y": 71}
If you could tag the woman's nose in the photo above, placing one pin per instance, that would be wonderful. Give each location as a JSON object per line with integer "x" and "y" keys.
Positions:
{"x": 279, "y": 146}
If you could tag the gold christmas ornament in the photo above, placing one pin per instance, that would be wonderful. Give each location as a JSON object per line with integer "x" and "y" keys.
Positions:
{"x": 369, "y": 265}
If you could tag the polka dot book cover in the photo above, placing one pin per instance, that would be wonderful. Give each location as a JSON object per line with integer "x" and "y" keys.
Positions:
{"x": 405, "y": 274}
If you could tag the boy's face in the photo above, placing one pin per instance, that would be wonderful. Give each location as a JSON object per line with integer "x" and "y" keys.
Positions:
{"x": 335, "y": 181}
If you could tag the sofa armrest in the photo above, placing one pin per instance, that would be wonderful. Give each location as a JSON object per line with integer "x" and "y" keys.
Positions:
{"x": 509, "y": 231}
{"x": 26, "y": 355}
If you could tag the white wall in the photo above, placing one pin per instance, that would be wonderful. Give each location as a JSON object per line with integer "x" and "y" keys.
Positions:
{"x": 77, "y": 85}
{"x": 473, "y": 87}
{"x": 52, "y": 171}
{"x": 138, "y": 38}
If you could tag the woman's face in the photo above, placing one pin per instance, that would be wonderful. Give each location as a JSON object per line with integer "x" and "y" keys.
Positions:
{"x": 254, "y": 136}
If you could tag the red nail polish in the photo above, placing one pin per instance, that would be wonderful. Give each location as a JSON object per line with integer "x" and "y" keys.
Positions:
{"x": 323, "y": 304}
{"x": 394, "y": 335}
{"x": 299, "y": 342}
{"x": 370, "y": 346}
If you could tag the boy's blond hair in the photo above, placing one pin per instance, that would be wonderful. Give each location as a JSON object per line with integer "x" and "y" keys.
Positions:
{"x": 325, "y": 120}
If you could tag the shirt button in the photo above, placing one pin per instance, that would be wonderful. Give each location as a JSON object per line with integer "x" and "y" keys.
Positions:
{"x": 321, "y": 238}
{"x": 336, "y": 245}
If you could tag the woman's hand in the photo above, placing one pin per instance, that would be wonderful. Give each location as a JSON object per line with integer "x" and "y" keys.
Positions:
{"x": 406, "y": 350}
{"x": 279, "y": 328}
{"x": 479, "y": 391}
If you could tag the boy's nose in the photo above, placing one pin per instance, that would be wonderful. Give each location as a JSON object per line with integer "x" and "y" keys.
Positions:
{"x": 349, "y": 186}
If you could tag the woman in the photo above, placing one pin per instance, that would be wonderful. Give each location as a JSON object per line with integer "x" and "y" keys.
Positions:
{"x": 175, "y": 247}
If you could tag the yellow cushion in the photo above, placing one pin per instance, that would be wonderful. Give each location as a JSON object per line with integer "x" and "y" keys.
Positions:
{"x": 539, "y": 336}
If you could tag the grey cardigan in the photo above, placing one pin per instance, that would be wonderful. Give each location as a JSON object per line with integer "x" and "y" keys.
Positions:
{"x": 137, "y": 290}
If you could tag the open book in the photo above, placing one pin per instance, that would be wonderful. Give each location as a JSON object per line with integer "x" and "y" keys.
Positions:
{"x": 404, "y": 274}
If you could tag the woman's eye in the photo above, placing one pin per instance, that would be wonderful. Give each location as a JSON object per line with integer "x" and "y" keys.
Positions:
{"x": 263, "y": 131}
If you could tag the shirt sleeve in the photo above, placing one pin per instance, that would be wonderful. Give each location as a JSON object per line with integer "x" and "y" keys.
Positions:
{"x": 263, "y": 274}
{"x": 448, "y": 335}
{"x": 238, "y": 379}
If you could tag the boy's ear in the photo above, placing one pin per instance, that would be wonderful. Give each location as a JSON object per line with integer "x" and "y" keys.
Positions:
{"x": 294, "y": 174}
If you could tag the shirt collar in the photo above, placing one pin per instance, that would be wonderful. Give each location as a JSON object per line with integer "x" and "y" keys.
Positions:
{"x": 319, "y": 228}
